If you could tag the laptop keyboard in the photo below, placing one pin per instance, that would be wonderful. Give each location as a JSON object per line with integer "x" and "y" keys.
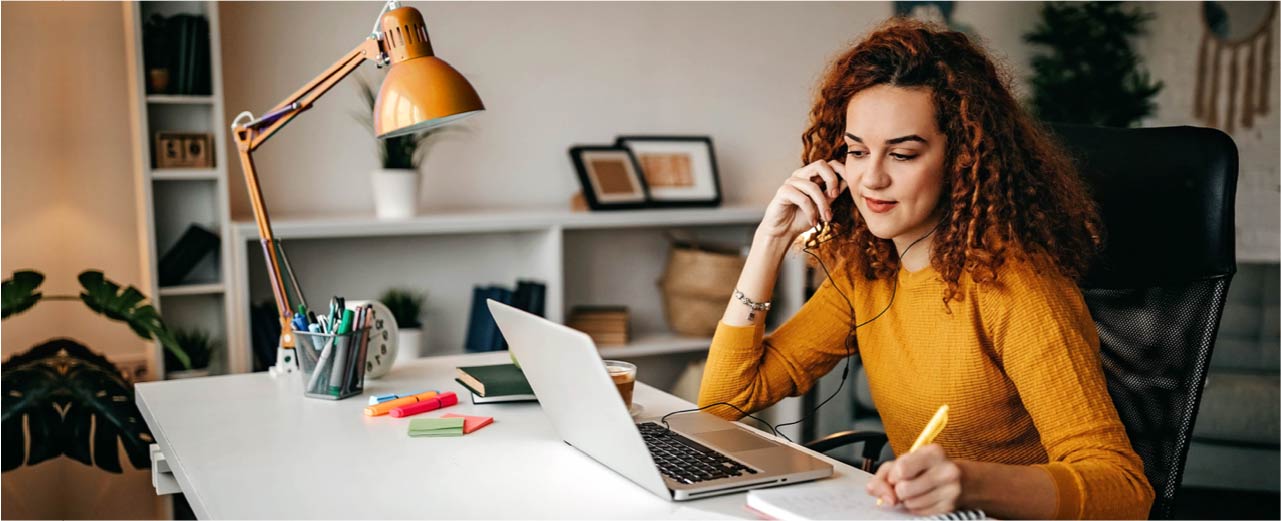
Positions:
{"x": 685, "y": 460}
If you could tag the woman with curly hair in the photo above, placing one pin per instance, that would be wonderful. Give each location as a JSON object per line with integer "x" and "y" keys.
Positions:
{"x": 956, "y": 227}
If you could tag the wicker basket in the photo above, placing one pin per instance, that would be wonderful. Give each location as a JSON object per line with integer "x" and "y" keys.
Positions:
{"x": 696, "y": 287}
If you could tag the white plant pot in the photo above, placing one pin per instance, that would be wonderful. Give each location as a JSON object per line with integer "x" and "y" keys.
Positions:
{"x": 409, "y": 345}
{"x": 396, "y": 193}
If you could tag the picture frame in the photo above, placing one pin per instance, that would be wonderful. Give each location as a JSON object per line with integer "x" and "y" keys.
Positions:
{"x": 678, "y": 171}
{"x": 184, "y": 150}
{"x": 610, "y": 177}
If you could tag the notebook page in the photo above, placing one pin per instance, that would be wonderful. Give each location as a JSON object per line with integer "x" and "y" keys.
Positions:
{"x": 821, "y": 501}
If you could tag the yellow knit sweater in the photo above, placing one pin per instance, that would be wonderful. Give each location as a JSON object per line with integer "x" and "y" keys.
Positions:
{"x": 1016, "y": 360}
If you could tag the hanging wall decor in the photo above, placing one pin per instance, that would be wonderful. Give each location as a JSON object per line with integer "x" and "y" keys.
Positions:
{"x": 1238, "y": 38}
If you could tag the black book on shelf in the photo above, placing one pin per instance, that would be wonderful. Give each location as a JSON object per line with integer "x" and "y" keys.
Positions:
{"x": 530, "y": 296}
{"x": 504, "y": 295}
{"x": 477, "y": 326}
{"x": 195, "y": 244}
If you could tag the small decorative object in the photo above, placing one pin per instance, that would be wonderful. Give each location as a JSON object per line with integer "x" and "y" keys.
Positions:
{"x": 937, "y": 11}
{"x": 183, "y": 150}
{"x": 1238, "y": 37}
{"x": 607, "y": 325}
{"x": 679, "y": 171}
{"x": 399, "y": 181}
{"x": 698, "y": 282}
{"x": 198, "y": 345}
{"x": 54, "y": 392}
{"x": 1089, "y": 72}
{"x": 407, "y": 307}
{"x": 195, "y": 244}
{"x": 384, "y": 339}
{"x": 610, "y": 177}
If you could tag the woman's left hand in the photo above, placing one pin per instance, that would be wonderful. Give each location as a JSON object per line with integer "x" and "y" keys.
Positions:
{"x": 925, "y": 481}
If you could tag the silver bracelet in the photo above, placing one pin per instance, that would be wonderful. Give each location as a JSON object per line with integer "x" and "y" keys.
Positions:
{"x": 758, "y": 306}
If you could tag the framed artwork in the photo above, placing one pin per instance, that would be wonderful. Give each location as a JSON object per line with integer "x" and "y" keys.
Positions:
{"x": 610, "y": 177}
{"x": 679, "y": 171}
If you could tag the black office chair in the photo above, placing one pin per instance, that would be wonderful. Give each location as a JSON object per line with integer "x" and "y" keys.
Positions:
{"x": 1167, "y": 197}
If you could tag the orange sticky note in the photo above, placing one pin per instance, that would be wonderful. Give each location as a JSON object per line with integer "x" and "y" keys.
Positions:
{"x": 471, "y": 423}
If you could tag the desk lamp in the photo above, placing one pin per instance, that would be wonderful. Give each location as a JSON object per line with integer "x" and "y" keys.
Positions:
{"x": 420, "y": 92}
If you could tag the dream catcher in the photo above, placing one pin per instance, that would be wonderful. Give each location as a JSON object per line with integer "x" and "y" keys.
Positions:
{"x": 1238, "y": 37}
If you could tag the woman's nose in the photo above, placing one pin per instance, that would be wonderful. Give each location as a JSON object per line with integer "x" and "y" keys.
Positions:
{"x": 874, "y": 176}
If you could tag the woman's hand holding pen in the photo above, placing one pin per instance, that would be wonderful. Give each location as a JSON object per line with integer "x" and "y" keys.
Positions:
{"x": 804, "y": 199}
{"x": 925, "y": 481}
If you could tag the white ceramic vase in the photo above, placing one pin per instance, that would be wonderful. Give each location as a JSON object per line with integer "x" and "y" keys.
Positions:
{"x": 396, "y": 193}
{"x": 410, "y": 345}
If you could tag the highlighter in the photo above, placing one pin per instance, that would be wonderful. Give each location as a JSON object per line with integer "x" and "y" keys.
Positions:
{"x": 383, "y": 408}
{"x": 430, "y": 404}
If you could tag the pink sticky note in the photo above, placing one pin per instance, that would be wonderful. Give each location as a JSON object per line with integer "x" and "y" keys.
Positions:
{"x": 471, "y": 423}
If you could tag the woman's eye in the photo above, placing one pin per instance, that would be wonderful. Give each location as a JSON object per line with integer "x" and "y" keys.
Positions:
{"x": 856, "y": 153}
{"x": 903, "y": 157}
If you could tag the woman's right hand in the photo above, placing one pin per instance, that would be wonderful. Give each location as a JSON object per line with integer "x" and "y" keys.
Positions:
{"x": 804, "y": 199}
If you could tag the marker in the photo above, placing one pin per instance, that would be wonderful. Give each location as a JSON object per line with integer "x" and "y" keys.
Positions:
{"x": 430, "y": 404}
{"x": 385, "y": 407}
{"x": 380, "y": 398}
{"x": 341, "y": 346}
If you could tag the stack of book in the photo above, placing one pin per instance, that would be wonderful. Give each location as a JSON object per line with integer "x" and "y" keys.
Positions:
{"x": 607, "y": 325}
{"x": 482, "y": 332}
{"x": 495, "y": 383}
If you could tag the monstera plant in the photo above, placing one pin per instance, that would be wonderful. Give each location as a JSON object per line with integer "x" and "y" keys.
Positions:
{"x": 74, "y": 401}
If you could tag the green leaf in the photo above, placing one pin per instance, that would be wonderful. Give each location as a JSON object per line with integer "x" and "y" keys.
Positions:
{"x": 19, "y": 293}
{"x": 105, "y": 297}
{"x": 72, "y": 399}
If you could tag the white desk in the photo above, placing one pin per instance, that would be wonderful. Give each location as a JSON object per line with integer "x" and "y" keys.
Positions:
{"x": 250, "y": 446}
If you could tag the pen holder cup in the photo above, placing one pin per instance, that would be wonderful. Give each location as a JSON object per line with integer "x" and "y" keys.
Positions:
{"x": 333, "y": 365}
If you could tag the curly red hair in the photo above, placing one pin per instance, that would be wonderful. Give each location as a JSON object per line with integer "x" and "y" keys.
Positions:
{"x": 1009, "y": 188}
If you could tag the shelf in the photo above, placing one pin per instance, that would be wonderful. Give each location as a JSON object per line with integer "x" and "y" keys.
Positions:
{"x": 657, "y": 344}
{"x": 192, "y": 289}
{"x": 184, "y": 174}
{"x": 502, "y": 220}
{"x": 167, "y": 99}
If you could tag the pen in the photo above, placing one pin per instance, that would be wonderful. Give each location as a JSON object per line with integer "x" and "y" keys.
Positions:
{"x": 931, "y": 431}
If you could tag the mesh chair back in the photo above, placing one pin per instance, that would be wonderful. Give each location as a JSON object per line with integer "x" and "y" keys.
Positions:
{"x": 1167, "y": 198}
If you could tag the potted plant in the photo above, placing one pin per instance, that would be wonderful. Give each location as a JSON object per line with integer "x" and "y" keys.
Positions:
{"x": 1086, "y": 70}
{"x": 407, "y": 307}
{"x": 397, "y": 183}
{"x": 55, "y": 391}
{"x": 158, "y": 53}
{"x": 198, "y": 345}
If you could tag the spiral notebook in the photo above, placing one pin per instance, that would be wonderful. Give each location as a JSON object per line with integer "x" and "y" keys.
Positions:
{"x": 833, "y": 501}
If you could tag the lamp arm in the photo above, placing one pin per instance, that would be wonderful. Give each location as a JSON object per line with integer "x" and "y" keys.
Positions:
{"x": 305, "y": 97}
{"x": 251, "y": 135}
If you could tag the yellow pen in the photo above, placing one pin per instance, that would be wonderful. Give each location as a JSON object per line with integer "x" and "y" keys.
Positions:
{"x": 931, "y": 431}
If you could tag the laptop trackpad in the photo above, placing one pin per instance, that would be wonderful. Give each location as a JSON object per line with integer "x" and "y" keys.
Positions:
{"x": 735, "y": 440}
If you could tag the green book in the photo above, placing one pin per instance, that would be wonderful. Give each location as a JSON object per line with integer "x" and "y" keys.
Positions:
{"x": 494, "y": 380}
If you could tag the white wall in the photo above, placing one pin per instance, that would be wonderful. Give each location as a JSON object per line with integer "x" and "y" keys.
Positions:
{"x": 552, "y": 75}
{"x": 556, "y": 74}
{"x": 69, "y": 205}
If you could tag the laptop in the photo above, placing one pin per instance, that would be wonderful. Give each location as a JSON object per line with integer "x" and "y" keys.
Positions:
{"x": 701, "y": 455}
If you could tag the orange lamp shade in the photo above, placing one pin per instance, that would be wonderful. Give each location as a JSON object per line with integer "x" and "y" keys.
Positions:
{"x": 420, "y": 91}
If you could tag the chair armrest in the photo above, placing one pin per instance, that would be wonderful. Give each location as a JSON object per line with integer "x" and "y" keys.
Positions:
{"x": 873, "y": 442}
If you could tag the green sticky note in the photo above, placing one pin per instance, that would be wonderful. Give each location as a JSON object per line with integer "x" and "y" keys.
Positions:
{"x": 436, "y": 427}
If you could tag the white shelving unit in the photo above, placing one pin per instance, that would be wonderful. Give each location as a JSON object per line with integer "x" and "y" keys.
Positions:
{"x": 172, "y": 199}
{"x": 584, "y": 259}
